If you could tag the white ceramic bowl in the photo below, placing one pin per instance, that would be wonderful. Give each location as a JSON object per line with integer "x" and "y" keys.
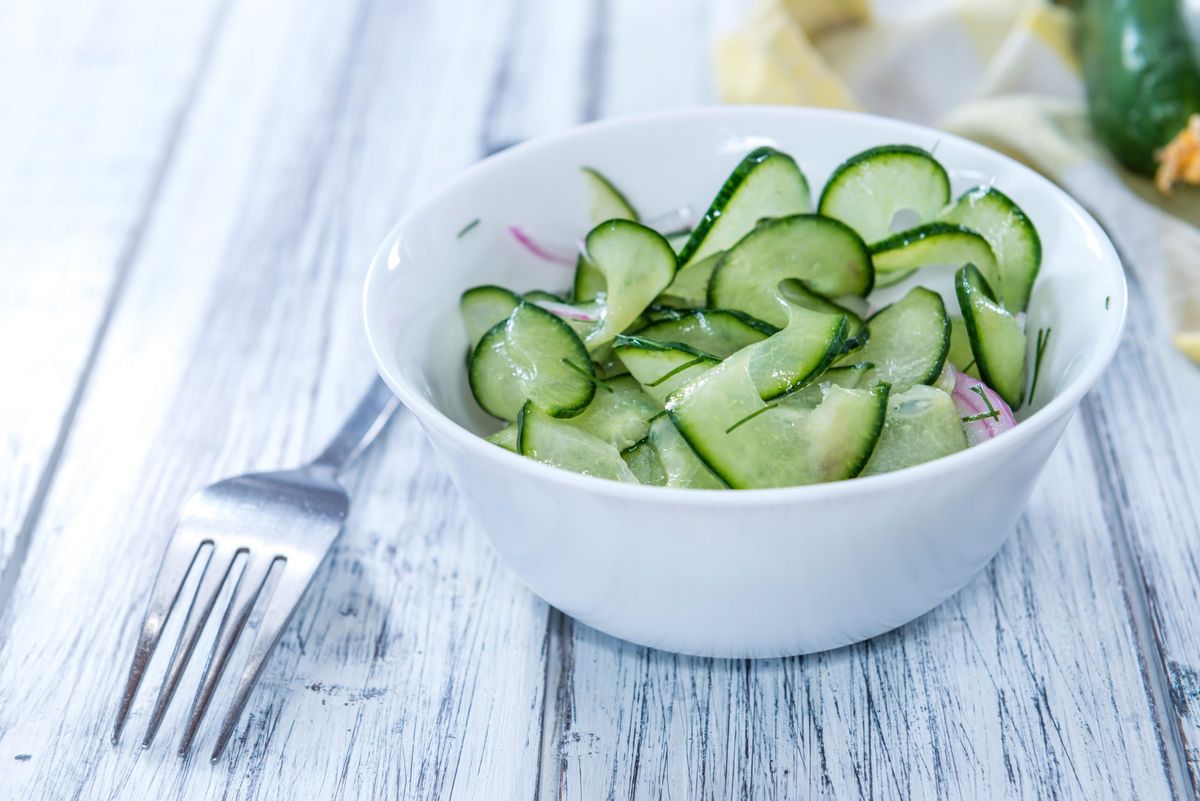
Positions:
{"x": 750, "y": 573}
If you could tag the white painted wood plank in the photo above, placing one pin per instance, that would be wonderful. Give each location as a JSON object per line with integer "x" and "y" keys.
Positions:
{"x": 1025, "y": 685}
{"x": 415, "y": 666}
{"x": 84, "y": 130}
{"x": 1142, "y": 424}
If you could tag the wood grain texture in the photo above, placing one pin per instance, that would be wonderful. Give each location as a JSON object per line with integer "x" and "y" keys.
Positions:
{"x": 415, "y": 667}
{"x": 1150, "y": 475}
{"x": 85, "y": 129}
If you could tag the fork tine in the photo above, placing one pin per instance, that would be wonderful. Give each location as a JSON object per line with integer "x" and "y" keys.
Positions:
{"x": 296, "y": 575}
{"x": 215, "y": 573}
{"x": 177, "y": 561}
{"x": 249, "y": 585}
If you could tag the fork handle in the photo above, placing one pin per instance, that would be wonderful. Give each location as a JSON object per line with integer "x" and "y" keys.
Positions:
{"x": 361, "y": 428}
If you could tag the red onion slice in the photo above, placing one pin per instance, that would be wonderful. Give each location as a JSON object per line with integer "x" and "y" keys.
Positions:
{"x": 555, "y": 252}
{"x": 970, "y": 404}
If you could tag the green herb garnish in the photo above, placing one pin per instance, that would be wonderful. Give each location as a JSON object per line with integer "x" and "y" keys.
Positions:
{"x": 1043, "y": 339}
{"x": 1107, "y": 301}
{"x": 750, "y": 417}
{"x": 991, "y": 412}
{"x": 466, "y": 228}
{"x": 586, "y": 374}
{"x": 676, "y": 371}
{"x": 970, "y": 364}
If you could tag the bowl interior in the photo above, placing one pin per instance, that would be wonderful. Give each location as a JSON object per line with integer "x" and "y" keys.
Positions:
{"x": 666, "y": 161}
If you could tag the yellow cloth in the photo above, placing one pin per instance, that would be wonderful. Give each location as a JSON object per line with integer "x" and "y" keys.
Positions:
{"x": 1001, "y": 72}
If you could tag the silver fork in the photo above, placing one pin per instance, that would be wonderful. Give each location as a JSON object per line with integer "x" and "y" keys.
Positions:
{"x": 285, "y": 521}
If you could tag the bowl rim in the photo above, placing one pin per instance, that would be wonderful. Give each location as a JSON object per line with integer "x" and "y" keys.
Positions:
{"x": 1062, "y": 404}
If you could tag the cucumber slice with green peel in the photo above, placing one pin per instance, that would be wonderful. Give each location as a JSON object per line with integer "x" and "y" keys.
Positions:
{"x": 645, "y": 463}
{"x": 749, "y": 444}
{"x": 795, "y": 356}
{"x": 1011, "y": 235}
{"x": 484, "y": 306}
{"x": 909, "y": 341}
{"x": 933, "y": 243}
{"x": 533, "y": 356}
{"x": 827, "y": 255}
{"x": 637, "y": 264}
{"x": 796, "y": 291}
{"x": 921, "y": 425}
{"x": 535, "y": 295}
{"x": 619, "y": 414}
{"x": 589, "y": 282}
{"x": 689, "y": 289}
{"x": 559, "y": 443}
{"x": 681, "y": 466}
{"x": 960, "y": 354}
{"x": 766, "y": 183}
{"x": 605, "y": 201}
{"x": 660, "y": 367}
{"x": 851, "y": 376}
{"x": 717, "y": 331}
{"x": 867, "y": 190}
{"x": 997, "y": 339}
{"x": 506, "y": 437}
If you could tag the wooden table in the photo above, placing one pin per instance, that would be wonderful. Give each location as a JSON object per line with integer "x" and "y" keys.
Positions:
{"x": 190, "y": 193}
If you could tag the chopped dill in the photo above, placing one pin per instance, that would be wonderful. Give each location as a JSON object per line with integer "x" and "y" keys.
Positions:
{"x": 991, "y": 412}
{"x": 1043, "y": 339}
{"x": 586, "y": 374}
{"x": 466, "y": 229}
{"x": 676, "y": 371}
{"x": 1107, "y": 302}
{"x": 750, "y": 417}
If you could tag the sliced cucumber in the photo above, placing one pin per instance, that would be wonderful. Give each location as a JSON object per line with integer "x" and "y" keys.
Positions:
{"x": 997, "y": 339}
{"x": 619, "y": 414}
{"x": 643, "y": 460}
{"x": 899, "y": 256}
{"x": 909, "y": 341}
{"x": 681, "y": 466}
{"x": 637, "y": 264}
{"x": 922, "y": 424}
{"x": 1011, "y": 235}
{"x": 824, "y": 253}
{"x": 534, "y": 356}
{"x": 866, "y": 191}
{"x": 484, "y": 306}
{"x": 766, "y": 183}
{"x": 559, "y": 443}
{"x": 786, "y": 360}
{"x": 717, "y": 331}
{"x": 589, "y": 281}
{"x": 751, "y": 445}
{"x": 796, "y": 291}
{"x": 851, "y": 376}
{"x": 535, "y": 295}
{"x": 605, "y": 201}
{"x": 506, "y": 437}
{"x": 960, "y": 354}
{"x": 796, "y": 355}
{"x": 659, "y": 367}
{"x": 689, "y": 289}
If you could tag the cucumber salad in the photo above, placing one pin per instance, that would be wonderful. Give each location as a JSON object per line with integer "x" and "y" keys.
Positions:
{"x": 746, "y": 351}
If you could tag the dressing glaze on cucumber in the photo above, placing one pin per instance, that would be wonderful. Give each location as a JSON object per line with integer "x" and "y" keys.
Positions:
{"x": 762, "y": 348}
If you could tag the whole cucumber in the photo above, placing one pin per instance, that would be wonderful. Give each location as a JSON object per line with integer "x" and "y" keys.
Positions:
{"x": 1142, "y": 76}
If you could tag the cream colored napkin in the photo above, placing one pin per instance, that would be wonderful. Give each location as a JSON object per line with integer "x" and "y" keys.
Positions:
{"x": 1001, "y": 72}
